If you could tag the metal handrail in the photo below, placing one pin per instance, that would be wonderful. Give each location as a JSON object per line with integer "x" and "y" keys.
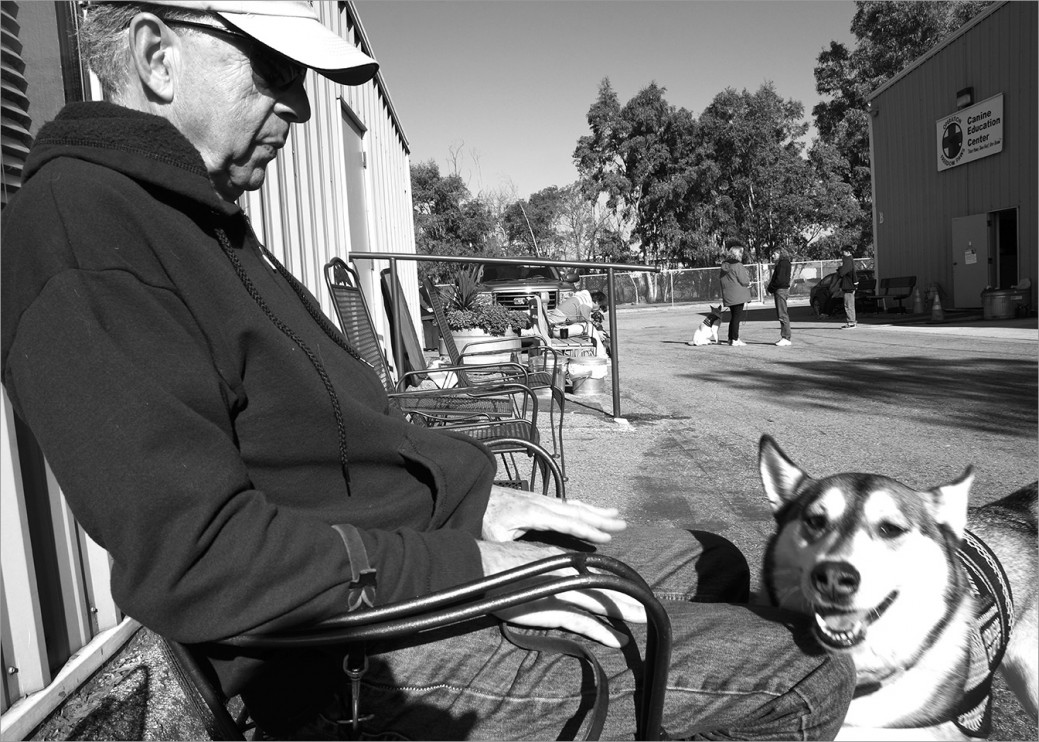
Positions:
{"x": 393, "y": 257}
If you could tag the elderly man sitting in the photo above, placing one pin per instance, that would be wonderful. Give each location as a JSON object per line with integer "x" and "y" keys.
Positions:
{"x": 239, "y": 461}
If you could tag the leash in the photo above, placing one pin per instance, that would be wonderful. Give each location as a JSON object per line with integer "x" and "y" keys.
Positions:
{"x": 993, "y": 622}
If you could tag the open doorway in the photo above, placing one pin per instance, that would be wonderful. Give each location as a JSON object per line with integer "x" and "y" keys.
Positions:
{"x": 1005, "y": 229}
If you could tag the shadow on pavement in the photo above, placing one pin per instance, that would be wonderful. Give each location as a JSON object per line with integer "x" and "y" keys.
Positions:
{"x": 996, "y": 395}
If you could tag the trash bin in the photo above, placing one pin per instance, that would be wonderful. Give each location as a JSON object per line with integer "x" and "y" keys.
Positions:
{"x": 588, "y": 374}
{"x": 1001, "y": 303}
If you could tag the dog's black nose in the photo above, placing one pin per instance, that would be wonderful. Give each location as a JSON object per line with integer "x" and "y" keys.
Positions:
{"x": 835, "y": 580}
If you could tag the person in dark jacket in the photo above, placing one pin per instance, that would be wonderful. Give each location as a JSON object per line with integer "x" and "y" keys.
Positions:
{"x": 735, "y": 285}
{"x": 241, "y": 463}
{"x": 849, "y": 282}
{"x": 779, "y": 287}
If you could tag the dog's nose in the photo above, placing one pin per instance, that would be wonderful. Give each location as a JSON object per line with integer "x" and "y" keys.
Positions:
{"x": 835, "y": 580}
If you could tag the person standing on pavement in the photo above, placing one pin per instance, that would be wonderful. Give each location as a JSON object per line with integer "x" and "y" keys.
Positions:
{"x": 849, "y": 281}
{"x": 779, "y": 287}
{"x": 735, "y": 282}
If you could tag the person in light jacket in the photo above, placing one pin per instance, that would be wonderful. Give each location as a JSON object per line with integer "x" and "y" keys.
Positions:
{"x": 735, "y": 282}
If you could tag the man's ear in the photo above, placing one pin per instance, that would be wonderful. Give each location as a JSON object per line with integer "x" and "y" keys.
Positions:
{"x": 153, "y": 48}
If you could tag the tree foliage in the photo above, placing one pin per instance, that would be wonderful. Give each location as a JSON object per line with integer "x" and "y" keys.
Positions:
{"x": 682, "y": 184}
{"x": 889, "y": 37}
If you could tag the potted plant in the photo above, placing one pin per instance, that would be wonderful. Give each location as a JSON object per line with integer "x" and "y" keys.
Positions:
{"x": 479, "y": 325}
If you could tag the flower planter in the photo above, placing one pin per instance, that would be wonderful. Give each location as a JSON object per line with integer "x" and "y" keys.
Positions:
{"x": 491, "y": 348}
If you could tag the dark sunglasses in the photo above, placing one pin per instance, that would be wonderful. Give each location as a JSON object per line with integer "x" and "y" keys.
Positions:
{"x": 277, "y": 71}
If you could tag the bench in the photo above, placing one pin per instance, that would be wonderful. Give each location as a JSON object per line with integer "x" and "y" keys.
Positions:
{"x": 898, "y": 288}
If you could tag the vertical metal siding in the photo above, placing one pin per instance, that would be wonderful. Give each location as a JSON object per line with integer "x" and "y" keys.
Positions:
{"x": 301, "y": 212}
{"x": 918, "y": 203}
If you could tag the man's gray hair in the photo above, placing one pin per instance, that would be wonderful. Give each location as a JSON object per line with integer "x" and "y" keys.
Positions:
{"x": 103, "y": 44}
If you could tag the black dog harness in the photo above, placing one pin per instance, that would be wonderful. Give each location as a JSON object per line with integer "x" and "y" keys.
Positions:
{"x": 710, "y": 319}
{"x": 989, "y": 636}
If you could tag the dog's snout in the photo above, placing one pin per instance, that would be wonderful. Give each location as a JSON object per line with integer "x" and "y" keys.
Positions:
{"x": 835, "y": 580}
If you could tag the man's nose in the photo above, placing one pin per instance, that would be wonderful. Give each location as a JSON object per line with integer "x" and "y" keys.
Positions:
{"x": 293, "y": 104}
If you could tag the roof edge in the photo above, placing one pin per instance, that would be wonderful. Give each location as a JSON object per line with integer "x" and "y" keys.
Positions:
{"x": 379, "y": 79}
{"x": 919, "y": 61}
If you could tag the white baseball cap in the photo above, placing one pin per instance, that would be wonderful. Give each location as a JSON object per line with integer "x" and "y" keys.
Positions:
{"x": 294, "y": 29}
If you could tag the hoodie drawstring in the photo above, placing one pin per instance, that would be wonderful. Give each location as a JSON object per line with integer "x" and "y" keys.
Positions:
{"x": 323, "y": 322}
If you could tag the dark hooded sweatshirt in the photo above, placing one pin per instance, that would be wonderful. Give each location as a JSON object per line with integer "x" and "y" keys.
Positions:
{"x": 197, "y": 414}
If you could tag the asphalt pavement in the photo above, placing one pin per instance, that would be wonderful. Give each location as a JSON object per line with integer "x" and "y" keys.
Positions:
{"x": 896, "y": 395}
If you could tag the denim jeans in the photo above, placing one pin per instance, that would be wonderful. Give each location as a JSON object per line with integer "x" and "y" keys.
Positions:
{"x": 781, "y": 296}
{"x": 737, "y": 671}
{"x": 849, "y": 306}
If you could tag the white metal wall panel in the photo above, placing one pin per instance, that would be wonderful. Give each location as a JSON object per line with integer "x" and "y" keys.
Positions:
{"x": 302, "y": 211}
{"x": 915, "y": 204}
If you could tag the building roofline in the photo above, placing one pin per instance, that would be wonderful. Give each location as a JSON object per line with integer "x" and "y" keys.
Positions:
{"x": 936, "y": 49}
{"x": 379, "y": 80}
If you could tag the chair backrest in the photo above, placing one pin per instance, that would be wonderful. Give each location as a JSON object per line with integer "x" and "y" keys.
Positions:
{"x": 354, "y": 317}
{"x": 412, "y": 357}
{"x": 436, "y": 302}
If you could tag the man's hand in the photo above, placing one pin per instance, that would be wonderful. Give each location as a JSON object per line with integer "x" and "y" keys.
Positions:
{"x": 572, "y": 611}
{"x": 512, "y": 513}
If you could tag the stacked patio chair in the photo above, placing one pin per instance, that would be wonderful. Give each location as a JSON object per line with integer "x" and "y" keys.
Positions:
{"x": 498, "y": 407}
{"x": 543, "y": 367}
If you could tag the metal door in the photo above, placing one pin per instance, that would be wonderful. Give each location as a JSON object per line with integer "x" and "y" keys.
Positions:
{"x": 971, "y": 260}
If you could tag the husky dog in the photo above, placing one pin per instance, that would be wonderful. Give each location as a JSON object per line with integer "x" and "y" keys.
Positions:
{"x": 707, "y": 331}
{"x": 927, "y": 599}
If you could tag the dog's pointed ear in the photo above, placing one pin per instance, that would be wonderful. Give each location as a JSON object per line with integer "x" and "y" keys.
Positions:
{"x": 949, "y": 502}
{"x": 780, "y": 476}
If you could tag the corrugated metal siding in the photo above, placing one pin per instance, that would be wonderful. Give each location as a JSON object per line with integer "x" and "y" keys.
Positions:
{"x": 918, "y": 203}
{"x": 302, "y": 210}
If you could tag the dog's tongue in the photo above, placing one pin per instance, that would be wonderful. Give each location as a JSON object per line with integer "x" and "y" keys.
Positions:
{"x": 842, "y": 622}
{"x": 840, "y": 631}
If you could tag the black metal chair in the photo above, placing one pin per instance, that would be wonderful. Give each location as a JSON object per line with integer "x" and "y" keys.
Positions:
{"x": 497, "y": 406}
{"x": 228, "y": 719}
{"x": 537, "y": 374}
{"x": 487, "y": 401}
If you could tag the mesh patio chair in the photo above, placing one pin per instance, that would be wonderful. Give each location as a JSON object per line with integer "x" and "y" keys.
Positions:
{"x": 500, "y": 407}
{"x": 539, "y": 372}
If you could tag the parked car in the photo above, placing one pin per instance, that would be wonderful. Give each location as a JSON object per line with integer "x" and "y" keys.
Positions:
{"x": 827, "y": 298}
{"x": 515, "y": 285}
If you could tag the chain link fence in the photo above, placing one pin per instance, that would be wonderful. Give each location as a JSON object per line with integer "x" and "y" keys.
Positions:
{"x": 701, "y": 286}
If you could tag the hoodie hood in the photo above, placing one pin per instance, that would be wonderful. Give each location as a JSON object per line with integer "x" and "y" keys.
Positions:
{"x": 143, "y": 146}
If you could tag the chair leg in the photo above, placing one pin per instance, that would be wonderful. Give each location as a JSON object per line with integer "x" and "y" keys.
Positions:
{"x": 558, "y": 400}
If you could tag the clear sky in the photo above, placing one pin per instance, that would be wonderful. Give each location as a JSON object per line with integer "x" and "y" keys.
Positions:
{"x": 509, "y": 83}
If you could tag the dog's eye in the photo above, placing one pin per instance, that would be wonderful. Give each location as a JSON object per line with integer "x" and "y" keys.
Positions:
{"x": 887, "y": 529}
{"x": 815, "y": 522}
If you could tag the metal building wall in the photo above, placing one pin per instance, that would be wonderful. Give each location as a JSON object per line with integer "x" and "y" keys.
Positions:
{"x": 302, "y": 212}
{"x": 914, "y": 203}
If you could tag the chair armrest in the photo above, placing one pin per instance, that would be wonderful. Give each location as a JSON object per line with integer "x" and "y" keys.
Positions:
{"x": 492, "y": 594}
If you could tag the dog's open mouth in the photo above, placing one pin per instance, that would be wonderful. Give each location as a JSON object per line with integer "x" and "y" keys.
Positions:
{"x": 841, "y": 629}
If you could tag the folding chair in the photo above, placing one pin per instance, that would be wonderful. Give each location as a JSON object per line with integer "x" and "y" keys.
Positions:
{"x": 228, "y": 719}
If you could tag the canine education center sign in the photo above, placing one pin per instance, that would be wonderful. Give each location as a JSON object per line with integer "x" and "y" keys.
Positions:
{"x": 971, "y": 133}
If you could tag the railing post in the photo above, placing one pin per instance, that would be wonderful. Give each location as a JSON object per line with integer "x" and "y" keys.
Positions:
{"x": 614, "y": 346}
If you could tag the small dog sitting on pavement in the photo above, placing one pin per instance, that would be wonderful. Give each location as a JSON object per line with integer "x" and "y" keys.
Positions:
{"x": 927, "y": 596}
{"x": 707, "y": 331}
